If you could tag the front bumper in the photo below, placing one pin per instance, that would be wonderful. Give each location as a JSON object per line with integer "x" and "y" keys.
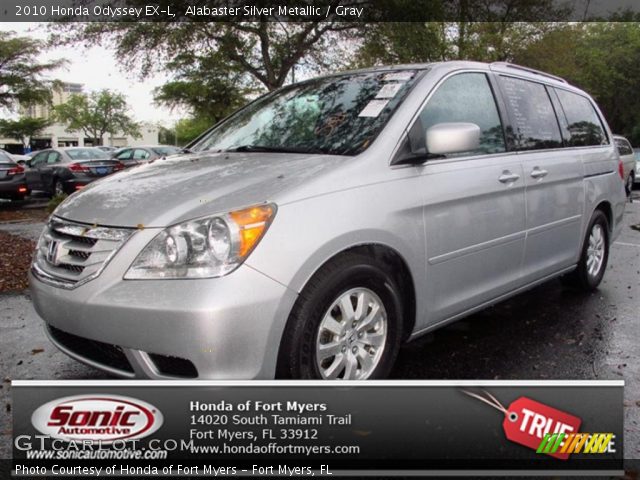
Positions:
{"x": 225, "y": 328}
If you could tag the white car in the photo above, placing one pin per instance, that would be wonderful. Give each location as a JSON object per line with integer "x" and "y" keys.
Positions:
{"x": 628, "y": 159}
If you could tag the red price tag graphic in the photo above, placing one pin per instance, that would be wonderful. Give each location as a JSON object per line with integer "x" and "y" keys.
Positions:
{"x": 527, "y": 421}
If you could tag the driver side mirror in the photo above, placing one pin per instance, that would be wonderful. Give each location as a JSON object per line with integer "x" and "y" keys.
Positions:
{"x": 444, "y": 138}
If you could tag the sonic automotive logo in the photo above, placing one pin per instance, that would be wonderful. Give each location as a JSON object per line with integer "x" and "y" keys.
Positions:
{"x": 104, "y": 418}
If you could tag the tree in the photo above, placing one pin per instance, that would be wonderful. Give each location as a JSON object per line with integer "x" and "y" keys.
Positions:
{"x": 21, "y": 74}
{"x": 202, "y": 87}
{"x": 184, "y": 131}
{"x": 485, "y": 30}
{"x": 23, "y": 129}
{"x": 96, "y": 114}
{"x": 601, "y": 58}
{"x": 264, "y": 52}
{"x": 418, "y": 42}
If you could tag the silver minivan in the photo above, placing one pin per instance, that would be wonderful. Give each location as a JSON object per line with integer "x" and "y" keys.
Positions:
{"x": 314, "y": 231}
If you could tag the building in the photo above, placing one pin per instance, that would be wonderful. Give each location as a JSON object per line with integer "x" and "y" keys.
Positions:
{"x": 58, "y": 136}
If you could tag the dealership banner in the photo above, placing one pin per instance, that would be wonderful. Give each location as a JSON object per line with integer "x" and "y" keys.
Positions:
{"x": 308, "y": 428}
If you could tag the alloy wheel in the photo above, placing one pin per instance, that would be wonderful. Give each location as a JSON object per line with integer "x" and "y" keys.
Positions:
{"x": 595, "y": 250}
{"x": 352, "y": 336}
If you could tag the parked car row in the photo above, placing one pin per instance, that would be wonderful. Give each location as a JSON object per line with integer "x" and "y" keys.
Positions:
{"x": 64, "y": 170}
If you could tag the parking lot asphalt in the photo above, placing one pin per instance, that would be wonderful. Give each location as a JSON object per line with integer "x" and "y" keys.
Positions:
{"x": 550, "y": 332}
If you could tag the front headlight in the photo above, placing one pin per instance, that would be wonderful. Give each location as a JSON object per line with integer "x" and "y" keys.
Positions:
{"x": 203, "y": 248}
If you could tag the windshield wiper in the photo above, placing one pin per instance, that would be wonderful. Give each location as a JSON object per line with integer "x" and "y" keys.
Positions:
{"x": 269, "y": 148}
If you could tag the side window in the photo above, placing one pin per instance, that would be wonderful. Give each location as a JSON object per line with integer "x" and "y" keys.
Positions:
{"x": 466, "y": 97}
{"x": 585, "y": 127}
{"x": 39, "y": 159}
{"x": 125, "y": 155}
{"x": 533, "y": 118}
{"x": 53, "y": 157}
{"x": 140, "y": 154}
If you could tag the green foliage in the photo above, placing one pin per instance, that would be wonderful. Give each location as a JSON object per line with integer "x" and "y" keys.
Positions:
{"x": 24, "y": 128}
{"x": 55, "y": 201}
{"x": 184, "y": 131}
{"x": 264, "y": 53}
{"x": 96, "y": 114}
{"x": 418, "y": 42}
{"x": 21, "y": 74}
{"x": 202, "y": 86}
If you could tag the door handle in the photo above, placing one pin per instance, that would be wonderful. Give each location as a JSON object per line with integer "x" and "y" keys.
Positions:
{"x": 508, "y": 177}
{"x": 538, "y": 173}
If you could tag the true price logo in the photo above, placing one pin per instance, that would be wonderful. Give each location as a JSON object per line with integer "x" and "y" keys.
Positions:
{"x": 527, "y": 421}
{"x": 104, "y": 418}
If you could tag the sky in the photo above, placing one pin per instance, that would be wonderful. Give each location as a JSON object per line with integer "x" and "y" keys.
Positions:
{"x": 97, "y": 68}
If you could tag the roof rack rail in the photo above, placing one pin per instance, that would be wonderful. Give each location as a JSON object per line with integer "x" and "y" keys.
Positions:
{"x": 530, "y": 70}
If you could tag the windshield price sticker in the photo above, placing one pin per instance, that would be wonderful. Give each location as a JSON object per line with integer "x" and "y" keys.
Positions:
{"x": 398, "y": 76}
{"x": 373, "y": 108}
{"x": 389, "y": 90}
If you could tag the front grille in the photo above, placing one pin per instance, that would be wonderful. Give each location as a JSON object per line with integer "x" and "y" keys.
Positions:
{"x": 174, "y": 366}
{"x": 99, "y": 352}
{"x": 69, "y": 254}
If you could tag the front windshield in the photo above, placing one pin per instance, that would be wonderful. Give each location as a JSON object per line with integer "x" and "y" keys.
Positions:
{"x": 338, "y": 115}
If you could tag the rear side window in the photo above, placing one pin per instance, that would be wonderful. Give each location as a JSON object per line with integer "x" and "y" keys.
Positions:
{"x": 140, "y": 154}
{"x": 125, "y": 155}
{"x": 466, "y": 97}
{"x": 533, "y": 118}
{"x": 584, "y": 125}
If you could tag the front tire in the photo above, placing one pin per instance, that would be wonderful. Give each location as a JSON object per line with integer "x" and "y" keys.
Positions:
{"x": 346, "y": 324}
{"x": 594, "y": 256}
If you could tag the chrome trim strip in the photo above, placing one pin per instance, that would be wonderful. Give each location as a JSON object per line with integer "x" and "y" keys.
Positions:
{"x": 478, "y": 247}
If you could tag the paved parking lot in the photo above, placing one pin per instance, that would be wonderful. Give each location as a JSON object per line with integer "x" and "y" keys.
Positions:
{"x": 549, "y": 332}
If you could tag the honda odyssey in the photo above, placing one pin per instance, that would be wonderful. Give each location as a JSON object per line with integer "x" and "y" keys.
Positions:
{"x": 312, "y": 232}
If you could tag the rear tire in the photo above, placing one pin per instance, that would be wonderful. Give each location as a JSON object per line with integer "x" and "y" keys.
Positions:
{"x": 346, "y": 323}
{"x": 594, "y": 256}
{"x": 57, "y": 188}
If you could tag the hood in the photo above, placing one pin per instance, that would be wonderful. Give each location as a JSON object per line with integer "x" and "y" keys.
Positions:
{"x": 169, "y": 191}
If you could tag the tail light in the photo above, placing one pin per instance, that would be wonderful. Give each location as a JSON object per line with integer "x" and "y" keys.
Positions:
{"x": 22, "y": 189}
{"x": 118, "y": 166}
{"x": 78, "y": 168}
{"x": 15, "y": 170}
{"x": 621, "y": 169}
